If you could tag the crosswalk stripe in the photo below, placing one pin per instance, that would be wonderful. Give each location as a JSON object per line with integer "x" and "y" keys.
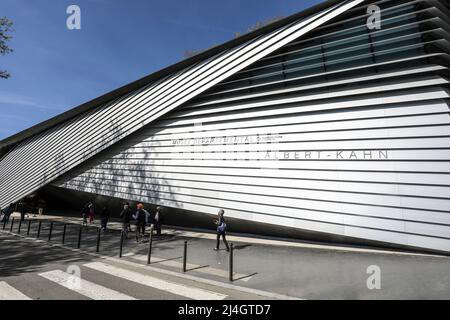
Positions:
{"x": 84, "y": 287}
{"x": 10, "y": 293}
{"x": 178, "y": 289}
{"x": 198, "y": 268}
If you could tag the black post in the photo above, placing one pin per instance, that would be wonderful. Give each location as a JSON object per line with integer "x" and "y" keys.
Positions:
{"x": 50, "y": 231}
{"x": 231, "y": 262}
{"x": 39, "y": 229}
{"x": 20, "y": 226}
{"x": 64, "y": 234}
{"x": 79, "y": 237}
{"x": 98, "y": 239}
{"x": 29, "y": 226}
{"x": 12, "y": 223}
{"x": 150, "y": 243}
{"x": 184, "y": 256}
{"x": 121, "y": 245}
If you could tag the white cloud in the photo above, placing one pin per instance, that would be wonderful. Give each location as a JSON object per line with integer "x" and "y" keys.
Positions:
{"x": 13, "y": 99}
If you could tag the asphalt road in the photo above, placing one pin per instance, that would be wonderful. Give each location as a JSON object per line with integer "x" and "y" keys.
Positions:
{"x": 304, "y": 272}
{"x": 35, "y": 270}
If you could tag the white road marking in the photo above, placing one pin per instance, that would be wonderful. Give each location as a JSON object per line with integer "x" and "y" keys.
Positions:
{"x": 175, "y": 264}
{"x": 178, "y": 289}
{"x": 10, "y": 293}
{"x": 85, "y": 288}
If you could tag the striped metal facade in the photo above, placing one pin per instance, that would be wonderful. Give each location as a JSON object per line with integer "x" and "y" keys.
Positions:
{"x": 36, "y": 161}
{"x": 344, "y": 131}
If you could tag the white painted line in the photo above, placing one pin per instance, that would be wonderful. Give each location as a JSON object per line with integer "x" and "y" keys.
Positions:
{"x": 258, "y": 292}
{"x": 10, "y": 293}
{"x": 175, "y": 264}
{"x": 178, "y": 289}
{"x": 84, "y": 287}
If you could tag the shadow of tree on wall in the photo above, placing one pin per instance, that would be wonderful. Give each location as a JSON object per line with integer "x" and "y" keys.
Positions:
{"x": 117, "y": 172}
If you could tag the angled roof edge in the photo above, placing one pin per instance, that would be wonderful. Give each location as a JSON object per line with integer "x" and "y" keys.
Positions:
{"x": 20, "y": 136}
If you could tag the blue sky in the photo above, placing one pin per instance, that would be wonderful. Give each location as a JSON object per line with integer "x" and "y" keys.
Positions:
{"x": 55, "y": 69}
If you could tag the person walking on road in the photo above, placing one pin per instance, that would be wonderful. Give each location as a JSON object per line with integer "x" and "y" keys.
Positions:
{"x": 126, "y": 215}
{"x": 221, "y": 230}
{"x": 104, "y": 217}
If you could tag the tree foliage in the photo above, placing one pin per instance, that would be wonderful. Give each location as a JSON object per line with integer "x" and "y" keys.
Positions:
{"x": 5, "y": 30}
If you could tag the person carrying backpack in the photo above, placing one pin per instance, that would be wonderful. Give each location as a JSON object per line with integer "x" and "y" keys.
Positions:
{"x": 221, "y": 230}
{"x": 91, "y": 213}
{"x": 140, "y": 218}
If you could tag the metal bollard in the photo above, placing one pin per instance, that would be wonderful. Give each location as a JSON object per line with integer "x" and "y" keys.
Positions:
{"x": 79, "y": 237}
{"x": 20, "y": 226}
{"x": 121, "y": 245}
{"x": 184, "y": 256}
{"x": 231, "y": 261}
{"x": 50, "y": 231}
{"x": 12, "y": 223}
{"x": 150, "y": 244}
{"x": 98, "y": 240}
{"x": 29, "y": 226}
{"x": 64, "y": 234}
{"x": 39, "y": 229}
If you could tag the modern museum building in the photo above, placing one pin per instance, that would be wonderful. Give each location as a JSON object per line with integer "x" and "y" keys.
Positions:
{"x": 332, "y": 124}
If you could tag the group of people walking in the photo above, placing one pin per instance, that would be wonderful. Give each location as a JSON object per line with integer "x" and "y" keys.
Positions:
{"x": 140, "y": 217}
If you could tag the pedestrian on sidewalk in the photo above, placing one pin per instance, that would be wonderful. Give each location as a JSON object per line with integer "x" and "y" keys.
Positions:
{"x": 158, "y": 220}
{"x": 85, "y": 213}
{"x": 91, "y": 212}
{"x": 41, "y": 206}
{"x": 126, "y": 215}
{"x": 23, "y": 210}
{"x": 221, "y": 230}
{"x": 7, "y": 213}
{"x": 140, "y": 217}
{"x": 104, "y": 218}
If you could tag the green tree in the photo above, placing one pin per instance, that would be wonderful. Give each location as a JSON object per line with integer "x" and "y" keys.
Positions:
{"x": 5, "y": 29}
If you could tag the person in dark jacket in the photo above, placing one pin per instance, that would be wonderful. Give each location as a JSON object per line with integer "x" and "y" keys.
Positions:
{"x": 7, "y": 212}
{"x": 126, "y": 215}
{"x": 85, "y": 213}
{"x": 104, "y": 218}
{"x": 140, "y": 218}
{"x": 221, "y": 230}
{"x": 23, "y": 210}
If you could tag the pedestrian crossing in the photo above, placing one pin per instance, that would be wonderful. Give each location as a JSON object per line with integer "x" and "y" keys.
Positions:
{"x": 8, "y": 292}
{"x": 84, "y": 287}
{"x": 178, "y": 289}
{"x": 78, "y": 285}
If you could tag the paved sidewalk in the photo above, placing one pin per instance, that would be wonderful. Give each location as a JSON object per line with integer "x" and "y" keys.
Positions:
{"x": 298, "y": 269}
